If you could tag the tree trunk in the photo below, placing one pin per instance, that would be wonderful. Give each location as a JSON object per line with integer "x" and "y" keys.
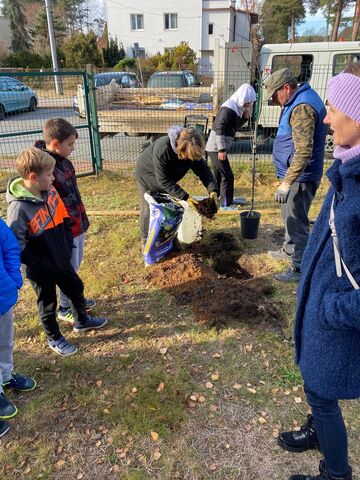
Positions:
{"x": 335, "y": 29}
{"x": 292, "y": 28}
{"x": 356, "y": 24}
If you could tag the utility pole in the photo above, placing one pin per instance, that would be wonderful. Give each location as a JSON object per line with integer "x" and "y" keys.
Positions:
{"x": 57, "y": 79}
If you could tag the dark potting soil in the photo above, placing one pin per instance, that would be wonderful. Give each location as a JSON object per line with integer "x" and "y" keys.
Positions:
{"x": 216, "y": 298}
{"x": 207, "y": 208}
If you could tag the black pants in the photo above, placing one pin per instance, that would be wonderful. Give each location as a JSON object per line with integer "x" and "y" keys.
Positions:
{"x": 224, "y": 178}
{"x": 144, "y": 213}
{"x": 45, "y": 289}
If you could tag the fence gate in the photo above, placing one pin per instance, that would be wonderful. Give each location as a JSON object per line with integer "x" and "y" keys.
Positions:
{"x": 28, "y": 99}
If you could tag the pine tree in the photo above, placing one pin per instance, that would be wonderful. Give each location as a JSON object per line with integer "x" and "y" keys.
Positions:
{"x": 14, "y": 12}
{"x": 276, "y": 18}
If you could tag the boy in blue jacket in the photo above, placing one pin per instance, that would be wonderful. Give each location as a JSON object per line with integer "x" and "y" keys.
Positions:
{"x": 10, "y": 282}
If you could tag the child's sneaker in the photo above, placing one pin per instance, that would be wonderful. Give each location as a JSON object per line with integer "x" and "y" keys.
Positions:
{"x": 89, "y": 304}
{"x": 4, "y": 428}
{"x": 20, "y": 383}
{"x": 62, "y": 347}
{"x": 66, "y": 314}
{"x": 7, "y": 408}
{"x": 91, "y": 323}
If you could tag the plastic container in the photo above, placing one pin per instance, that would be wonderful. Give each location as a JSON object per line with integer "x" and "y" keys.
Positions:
{"x": 191, "y": 226}
{"x": 249, "y": 224}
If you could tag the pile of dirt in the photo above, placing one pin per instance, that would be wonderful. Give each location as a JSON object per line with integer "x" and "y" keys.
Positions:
{"x": 216, "y": 298}
{"x": 207, "y": 208}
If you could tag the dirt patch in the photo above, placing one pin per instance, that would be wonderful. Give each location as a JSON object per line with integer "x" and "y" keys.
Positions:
{"x": 217, "y": 287}
{"x": 207, "y": 208}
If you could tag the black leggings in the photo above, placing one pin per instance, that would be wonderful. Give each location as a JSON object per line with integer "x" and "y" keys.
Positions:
{"x": 224, "y": 178}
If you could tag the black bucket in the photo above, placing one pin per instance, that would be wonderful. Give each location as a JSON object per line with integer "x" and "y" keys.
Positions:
{"x": 250, "y": 224}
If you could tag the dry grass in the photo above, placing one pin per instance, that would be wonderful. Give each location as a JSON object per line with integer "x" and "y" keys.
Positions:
{"x": 92, "y": 415}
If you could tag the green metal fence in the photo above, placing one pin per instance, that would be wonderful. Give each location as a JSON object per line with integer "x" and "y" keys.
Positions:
{"x": 28, "y": 99}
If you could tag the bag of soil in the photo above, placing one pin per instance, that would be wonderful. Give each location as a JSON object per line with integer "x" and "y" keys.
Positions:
{"x": 165, "y": 217}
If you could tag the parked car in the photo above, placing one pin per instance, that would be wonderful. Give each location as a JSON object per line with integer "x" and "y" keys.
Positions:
{"x": 124, "y": 79}
{"x": 185, "y": 78}
{"x": 16, "y": 96}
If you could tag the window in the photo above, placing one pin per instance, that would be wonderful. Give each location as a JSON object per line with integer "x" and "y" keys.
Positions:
{"x": 343, "y": 60}
{"x": 300, "y": 65}
{"x": 190, "y": 80}
{"x": 211, "y": 28}
{"x": 137, "y": 22}
{"x": 141, "y": 52}
{"x": 170, "y": 21}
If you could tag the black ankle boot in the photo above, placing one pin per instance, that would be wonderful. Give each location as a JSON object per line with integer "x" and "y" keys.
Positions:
{"x": 324, "y": 475}
{"x": 301, "y": 440}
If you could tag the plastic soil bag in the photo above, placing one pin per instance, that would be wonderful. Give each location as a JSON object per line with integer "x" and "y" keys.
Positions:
{"x": 165, "y": 217}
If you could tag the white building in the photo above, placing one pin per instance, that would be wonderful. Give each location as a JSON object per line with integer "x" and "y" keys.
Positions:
{"x": 157, "y": 26}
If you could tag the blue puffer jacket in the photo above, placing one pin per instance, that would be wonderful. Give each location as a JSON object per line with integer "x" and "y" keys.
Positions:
{"x": 10, "y": 274}
{"x": 327, "y": 324}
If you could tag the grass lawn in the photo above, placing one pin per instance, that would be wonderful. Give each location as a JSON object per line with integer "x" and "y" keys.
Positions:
{"x": 159, "y": 394}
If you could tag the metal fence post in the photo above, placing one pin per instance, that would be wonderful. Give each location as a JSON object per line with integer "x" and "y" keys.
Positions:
{"x": 94, "y": 118}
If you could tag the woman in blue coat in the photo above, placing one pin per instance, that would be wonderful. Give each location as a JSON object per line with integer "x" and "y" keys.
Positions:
{"x": 327, "y": 324}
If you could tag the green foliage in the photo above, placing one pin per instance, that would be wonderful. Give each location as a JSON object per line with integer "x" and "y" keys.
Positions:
{"x": 180, "y": 57}
{"x": 276, "y": 16}
{"x": 27, "y": 59}
{"x": 80, "y": 49}
{"x": 126, "y": 63}
{"x": 14, "y": 12}
{"x": 113, "y": 53}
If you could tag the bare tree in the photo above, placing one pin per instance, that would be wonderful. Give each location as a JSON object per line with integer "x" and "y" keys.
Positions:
{"x": 356, "y": 23}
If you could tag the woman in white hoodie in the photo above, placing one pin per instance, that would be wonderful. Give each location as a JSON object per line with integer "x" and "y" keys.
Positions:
{"x": 232, "y": 115}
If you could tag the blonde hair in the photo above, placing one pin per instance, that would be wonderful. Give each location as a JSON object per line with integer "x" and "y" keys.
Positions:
{"x": 33, "y": 160}
{"x": 190, "y": 144}
{"x": 58, "y": 129}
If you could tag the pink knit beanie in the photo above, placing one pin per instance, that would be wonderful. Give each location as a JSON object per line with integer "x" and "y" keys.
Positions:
{"x": 344, "y": 94}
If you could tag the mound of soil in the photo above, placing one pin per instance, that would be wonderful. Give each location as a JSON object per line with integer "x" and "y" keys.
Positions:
{"x": 217, "y": 298}
{"x": 207, "y": 208}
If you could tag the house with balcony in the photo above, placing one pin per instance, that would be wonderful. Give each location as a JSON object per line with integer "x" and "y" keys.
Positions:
{"x": 146, "y": 27}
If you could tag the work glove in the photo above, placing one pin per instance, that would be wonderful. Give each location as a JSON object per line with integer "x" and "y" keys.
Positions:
{"x": 192, "y": 203}
{"x": 214, "y": 197}
{"x": 282, "y": 193}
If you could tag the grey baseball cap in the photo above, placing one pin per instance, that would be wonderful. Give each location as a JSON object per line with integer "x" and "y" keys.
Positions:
{"x": 276, "y": 81}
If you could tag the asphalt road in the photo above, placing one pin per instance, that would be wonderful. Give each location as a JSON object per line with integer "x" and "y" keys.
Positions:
{"x": 118, "y": 149}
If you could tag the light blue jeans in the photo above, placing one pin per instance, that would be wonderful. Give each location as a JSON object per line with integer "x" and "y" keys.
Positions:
{"x": 76, "y": 259}
{"x": 6, "y": 346}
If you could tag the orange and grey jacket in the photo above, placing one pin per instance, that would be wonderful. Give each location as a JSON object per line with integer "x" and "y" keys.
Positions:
{"x": 42, "y": 229}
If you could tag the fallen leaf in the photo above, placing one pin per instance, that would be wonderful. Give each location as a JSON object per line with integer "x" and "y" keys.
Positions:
{"x": 216, "y": 355}
{"x": 81, "y": 475}
{"x": 60, "y": 463}
{"x": 209, "y": 385}
{"x": 262, "y": 420}
{"x": 161, "y": 387}
{"x": 154, "y": 436}
{"x": 106, "y": 411}
{"x": 213, "y": 408}
{"x": 156, "y": 455}
{"x": 134, "y": 390}
{"x": 287, "y": 392}
{"x": 249, "y": 348}
{"x": 212, "y": 467}
{"x": 201, "y": 399}
{"x": 98, "y": 383}
{"x": 163, "y": 350}
{"x": 237, "y": 386}
{"x": 28, "y": 470}
{"x": 215, "y": 377}
{"x": 252, "y": 390}
{"x": 297, "y": 399}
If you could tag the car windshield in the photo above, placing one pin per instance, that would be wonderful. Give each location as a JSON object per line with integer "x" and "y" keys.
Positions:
{"x": 166, "y": 81}
{"x": 106, "y": 79}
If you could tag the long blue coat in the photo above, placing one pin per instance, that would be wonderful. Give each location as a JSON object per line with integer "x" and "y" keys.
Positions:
{"x": 327, "y": 324}
{"x": 10, "y": 274}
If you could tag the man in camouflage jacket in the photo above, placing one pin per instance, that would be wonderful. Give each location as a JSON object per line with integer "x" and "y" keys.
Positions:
{"x": 298, "y": 156}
